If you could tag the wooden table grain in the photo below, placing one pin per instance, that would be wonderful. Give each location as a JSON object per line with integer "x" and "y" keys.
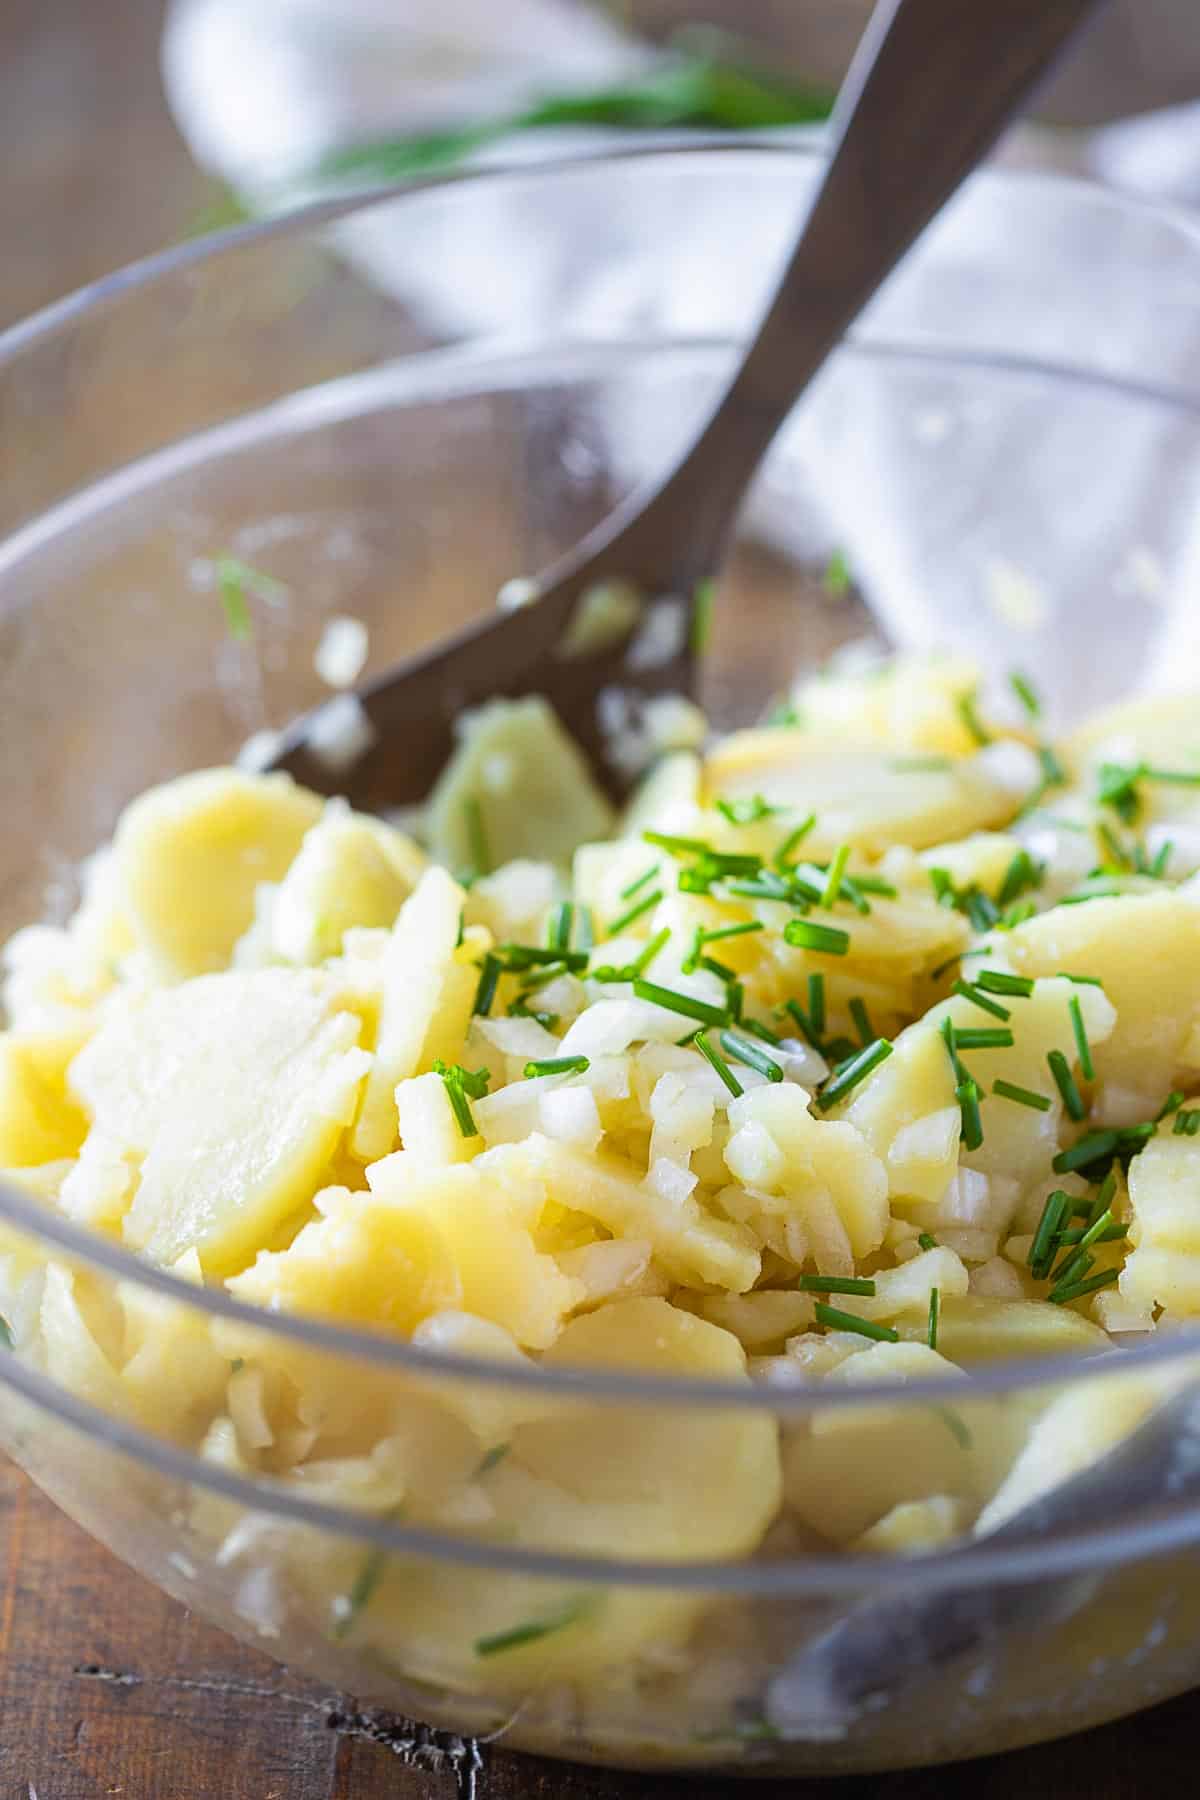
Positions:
{"x": 107, "y": 1688}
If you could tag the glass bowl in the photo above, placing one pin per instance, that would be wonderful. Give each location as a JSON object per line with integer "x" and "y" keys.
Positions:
{"x": 392, "y": 405}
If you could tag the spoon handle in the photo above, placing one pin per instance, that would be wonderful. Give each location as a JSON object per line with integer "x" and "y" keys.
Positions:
{"x": 932, "y": 85}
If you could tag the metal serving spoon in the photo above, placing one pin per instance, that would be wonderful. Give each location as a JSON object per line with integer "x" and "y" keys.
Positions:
{"x": 931, "y": 87}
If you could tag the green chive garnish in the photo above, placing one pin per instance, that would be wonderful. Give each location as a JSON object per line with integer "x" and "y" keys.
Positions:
{"x": 981, "y": 1000}
{"x": 1064, "y": 1081}
{"x": 855, "y": 1070}
{"x": 997, "y": 981}
{"x": 1008, "y": 1090}
{"x": 862, "y": 1021}
{"x": 558, "y": 926}
{"x": 1055, "y": 1213}
{"x": 804, "y": 1024}
{"x": 728, "y": 931}
{"x": 718, "y": 1062}
{"x": 485, "y": 993}
{"x": 760, "y": 1030}
{"x": 1081, "y": 980}
{"x": 836, "y": 1284}
{"x": 935, "y": 1307}
{"x": 1026, "y": 694}
{"x": 837, "y": 1320}
{"x": 557, "y": 1065}
{"x": 981, "y": 911}
{"x": 802, "y": 934}
{"x": 1172, "y": 1103}
{"x": 585, "y": 931}
{"x": 529, "y": 1632}
{"x": 1081, "y": 1039}
{"x": 751, "y": 1056}
{"x": 792, "y": 840}
{"x": 833, "y": 880}
{"x": 1187, "y": 1122}
{"x": 704, "y": 596}
{"x": 970, "y": 718}
{"x": 926, "y": 1240}
{"x": 645, "y": 905}
{"x": 365, "y": 1582}
{"x": 677, "y": 846}
{"x": 1062, "y": 1296}
{"x": 518, "y": 958}
{"x": 684, "y": 1004}
{"x": 460, "y": 1083}
{"x": 836, "y": 579}
{"x": 1089, "y": 1149}
{"x": 495, "y": 1455}
{"x": 997, "y": 1037}
{"x": 967, "y": 1095}
{"x": 747, "y": 812}
{"x": 1112, "y": 1234}
{"x": 1091, "y": 1234}
{"x": 658, "y": 942}
{"x": 816, "y": 1001}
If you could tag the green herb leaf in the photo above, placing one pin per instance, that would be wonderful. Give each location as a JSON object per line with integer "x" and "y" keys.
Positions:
{"x": 1089, "y": 1149}
{"x": 997, "y": 981}
{"x": 1081, "y": 1039}
{"x": 714, "y": 1057}
{"x": 1026, "y": 694}
{"x": 485, "y": 993}
{"x": 645, "y": 905}
{"x": 970, "y": 717}
{"x": 1009, "y": 1090}
{"x": 531, "y": 1630}
{"x": 684, "y": 1004}
{"x": 837, "y": 1320}
{"x": 805, "y": 934}
{"x": 488, "y": 1462}
{"x": 836, "y": 1284}
{"x": 747, "y": 812}
{"x": 640, "y": 881}
{"x": 967, "y": 1095}
{"x": 857, "y": 1069}
{"x": 1064, "y": 1081}
{"x": 981, "y": 1000}
{"x": 704, "y": 596}
{"x": 935, "y": 1308}
{"x": 557, "y": 1065}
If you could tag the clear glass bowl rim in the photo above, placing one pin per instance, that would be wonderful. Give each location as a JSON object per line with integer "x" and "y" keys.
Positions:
{"x": 32, "y": 1218}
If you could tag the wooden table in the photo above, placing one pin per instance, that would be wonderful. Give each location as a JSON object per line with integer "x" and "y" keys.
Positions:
{"x": 108, "y": 1688}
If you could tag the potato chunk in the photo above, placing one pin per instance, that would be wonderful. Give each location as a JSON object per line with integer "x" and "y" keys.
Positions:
{"x": 39, "y": 1120}
{"x": 350, "y": 871}
{"x": 1164, "y": 1190}
{"x": 818, "y": 1166}
{"x": 190, "y": 855}
{"x": 231, "y": 1092}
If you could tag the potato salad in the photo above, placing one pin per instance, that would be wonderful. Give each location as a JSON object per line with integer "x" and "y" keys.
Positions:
{"x": 863, "y": 1047}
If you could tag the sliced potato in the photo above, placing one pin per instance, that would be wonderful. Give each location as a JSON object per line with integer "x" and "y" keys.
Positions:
{"x": 1164, "y": 1191}
{"x": 350, "y": 870}
{"x": 231, "y": 1092}
{"x": 39, "y": 1120}
{"x": 528, "y": 779}
{"x": 190, "y": 855}
{"x": 974, "y": 1328}
{"x": 821, "y": 1167}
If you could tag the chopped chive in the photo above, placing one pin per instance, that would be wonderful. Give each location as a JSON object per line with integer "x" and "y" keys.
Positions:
{"x": 1070, "y": 1267}
{"x": 836, "y": 1284}
{"x": 950, "y": 1039}
{"x": 543, "y": 977}
{"x": 862, "y": 1021}
{"x": 645, "y": 905}
{"x": 1172, "y": 1103}
{"x": 759, "y": 1030}
{"x": 837, "y": 1320}
{"x": 488, "y": 1462}
{"x": 519, "y": 1009}
{"x": 816, "y": 1001}
{"x": 721, "y": 970}
{"x": 1063, "y": 1295}
{"x": 1064, "y": 1081}
{"x": 944, "y": 891}
{"x": 1131, "y": 1137}
{"x": 981, "y": 1000}
{"x": 1090, "y": 1148}
{"x": 557, "y": 1065}
{"x": 836, "y": 579}
{"x": 804, "y": 1023}
{"x": 528, "y": 1633}
{"x": 956, "y": 1426}
{"x": 767, "y": 887}
{"x": 477, "y": 843}
{"x": 856, "y": 1069}
{"x": 685, "y": 1004}
{"x": 995, "y": 1037}
{"x": 1081, "y": 980}
{"x": 926, "y": 1240}
{"x": 1187, "y": 1122}
{"x": 1112, "y": 1234}
{"x": 1026, "y": 694}
{"x": 648, "y": 873}
{"x": 718, "y": 1062}
{"x": 1017, "y": 915}
{"x": 1055, "y": 1213}
{"x": 967, "y": 1095}
{"x": 736, "y": 997}
{"x": 751, "y": 1056}
{"x": 970, "y": 718}
{"x": 518, "y": 958}
{"x": 875, "y": 884}
{"x": 998, "y": 981}
{"x": 792, "y": 840}
{"x": 833, "y": 880}
{"x": 1081, "y": 1039}
{"x": 747, "y": 812}
{"x": 485, "y": 993}
{"x": 1103, "y": 1200}
{"x": 1022, "y": 873}
{"x": 935, "y": 1307}
{"x": 803, "y": 934}
{"x": 362, "y": 1590}
{"x": 677, "y": 846}
{"x": 1053, "y": 773}
{"x": 459, "y": 1083}
{"x": 558, "y": 927}
{"x": 1114, "y": 846}
{"x": 981, "y": 911}
{"x": 657, "y": 942}
{"x": 784, "y": 712}
{"x": 728, "y": 931}
{"x": 1008, "y": 1090}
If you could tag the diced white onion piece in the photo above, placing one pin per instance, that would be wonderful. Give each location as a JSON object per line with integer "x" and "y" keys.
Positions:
{"x": 341, "y": 654}
{"x": 997, "y": 1279}
{"x": 569, "y": 1113}
{"x": 340, "y": 733}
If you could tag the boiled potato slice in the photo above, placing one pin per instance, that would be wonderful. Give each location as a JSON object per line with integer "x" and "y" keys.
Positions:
{"x": 1164, "y": 1190}
{"x": 417, "y": 965}
{"x": 918, "y": 1080}
{"x": 530, "y": 782}
{"x": 502, "y": 1276}
{"x": 819, "y": 1166}
{"x": 1160, "y": 729}
{"x": 976, "y": 1328}
{"x": 667, "y": 799}
{"x": 371, "y": 1258}
{"x": 869, "y": 797}
{"x": 351, "y": 870}
{"x": 39, "y": 1120}
{"x": 911, "y": 703}
{"x": 190, "y": 854}
{"x": 231, "y": 1092}
{"x": 1146, "y": 951}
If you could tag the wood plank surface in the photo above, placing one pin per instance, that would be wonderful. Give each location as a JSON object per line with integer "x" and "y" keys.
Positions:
{"x": 107, "y": 1688}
